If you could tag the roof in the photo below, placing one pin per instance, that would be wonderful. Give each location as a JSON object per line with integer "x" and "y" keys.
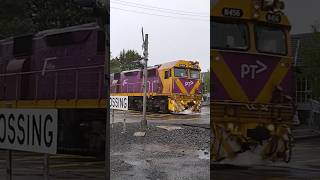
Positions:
{"x": 175, "y": 63}
{"x": 81, "y": 27}
{"x": 134, "y": 70}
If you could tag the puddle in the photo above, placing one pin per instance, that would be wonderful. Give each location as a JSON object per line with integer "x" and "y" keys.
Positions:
{"x": 170, "y": 128}
{"x": 187, "y": 112}
{"x": 203, "y": 154}
{"x": 248, "y": 158}
{"x": 134, "y": 163}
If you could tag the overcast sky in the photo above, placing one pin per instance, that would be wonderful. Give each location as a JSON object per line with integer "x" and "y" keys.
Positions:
{"x": 182, "y": 36}
{"x": 170, "y": 38}
{"x": 302, "y": 14}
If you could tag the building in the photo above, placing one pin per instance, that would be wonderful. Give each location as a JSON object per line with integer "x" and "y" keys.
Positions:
{"x": 308, "y": 104}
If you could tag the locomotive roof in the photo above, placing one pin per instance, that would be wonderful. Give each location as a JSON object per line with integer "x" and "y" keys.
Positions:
{"x": 134, "y": 70}
{"x": 174, "y": 64}
{"x": 81, "y": 27}
{"x": 88, "y": 26}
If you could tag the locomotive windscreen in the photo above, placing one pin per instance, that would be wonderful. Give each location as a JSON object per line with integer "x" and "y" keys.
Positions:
{"x": 271, "y": 40}
{"x": 180, "y": 72}
{"x": 195, "y": 74}
{"x": 229, "y": 36}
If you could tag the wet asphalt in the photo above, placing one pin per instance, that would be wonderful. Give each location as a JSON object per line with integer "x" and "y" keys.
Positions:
{"x": 304, "y": 165}
{"x": 161, "y": 154}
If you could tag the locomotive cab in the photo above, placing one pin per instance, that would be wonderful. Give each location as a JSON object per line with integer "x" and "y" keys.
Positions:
{"x": 252, "y": 79}
{"x": 182, "y": 82}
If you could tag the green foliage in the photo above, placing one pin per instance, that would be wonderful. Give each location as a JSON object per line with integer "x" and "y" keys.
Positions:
{"x": 28, "y": 16}
{"x": 127, "y": 60}
{"x": 15, "y": 18}
{"x": 48, "y": 14}
{"x": 206, "y": 81}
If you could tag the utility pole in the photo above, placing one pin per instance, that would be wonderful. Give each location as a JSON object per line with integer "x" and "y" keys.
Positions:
{"x": 145, "y": 44}
{"x": 107, "y": 85}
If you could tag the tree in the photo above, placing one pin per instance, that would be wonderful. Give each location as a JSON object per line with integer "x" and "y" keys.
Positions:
{"x": 30, "y": 16}
{"x": 206, "y": 81}
{"x": 315, "y": 26}
{"x": 48, "y": 14}
{"x": 127, "y": 60}
{"x": 15, "y": 18}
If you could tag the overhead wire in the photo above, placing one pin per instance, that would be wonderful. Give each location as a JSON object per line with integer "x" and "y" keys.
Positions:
{"x": 154, "y": 8}
{"x": 181, "y": 14}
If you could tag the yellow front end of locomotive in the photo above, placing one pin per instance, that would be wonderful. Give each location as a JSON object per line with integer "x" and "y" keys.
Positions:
{"x": 255, "y": 126}
{"x": 181, "y": 103}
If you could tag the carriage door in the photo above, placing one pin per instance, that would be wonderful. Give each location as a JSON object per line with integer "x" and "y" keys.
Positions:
{"x": 167, "y": 81}
{"x": 22, "y": 51}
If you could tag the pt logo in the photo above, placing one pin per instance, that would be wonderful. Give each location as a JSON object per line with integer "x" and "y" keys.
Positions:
{"x": 189, "y": 83}
{"x": 252, "y": 70}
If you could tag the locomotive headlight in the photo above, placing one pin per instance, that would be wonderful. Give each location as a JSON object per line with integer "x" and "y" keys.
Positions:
{"x": 271, "y": 127}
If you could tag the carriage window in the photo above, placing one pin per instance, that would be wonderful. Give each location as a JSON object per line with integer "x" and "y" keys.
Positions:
{"x": 271, "y": 40}
{"x": 67, "y": 38}
{"x": 180, "y": 72}
{"x": 229, "y": 36}
{"x": 131, "y": 73}
{"x": 117, "y": 76}
{"x": 167, "y": 74}
{"x": 22, "y": 46}
{"x": 195, "y": 74}
{"x": 152, "y": 73}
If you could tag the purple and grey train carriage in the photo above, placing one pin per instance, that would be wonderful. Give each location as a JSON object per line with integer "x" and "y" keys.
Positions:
{"x": 60, "y": 69}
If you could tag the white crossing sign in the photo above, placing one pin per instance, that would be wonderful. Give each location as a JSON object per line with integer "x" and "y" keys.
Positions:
{"x": 33, "y": 130}
{"x": 119, "y": 103}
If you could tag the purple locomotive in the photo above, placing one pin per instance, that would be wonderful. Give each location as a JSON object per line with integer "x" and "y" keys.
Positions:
{"x": 171, "y": 87}
{"x": 61, "y": 69}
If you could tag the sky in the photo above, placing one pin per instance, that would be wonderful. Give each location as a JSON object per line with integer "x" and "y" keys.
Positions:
{"x": 179, "y": 36}
{"x": 302, "y": 14}
{"x": 182, "y": 36}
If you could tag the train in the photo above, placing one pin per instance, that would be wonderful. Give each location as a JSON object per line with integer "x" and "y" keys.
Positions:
{"x": 60, "y": 69}
{"x": 252, "y": 79}
{"x": 172, "y": 87}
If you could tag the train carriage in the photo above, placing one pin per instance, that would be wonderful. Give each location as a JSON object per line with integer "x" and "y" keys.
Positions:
{"x": 252, "y": 102}
{"x": 60, "y": 69}
{"x": 171, "y": 87}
